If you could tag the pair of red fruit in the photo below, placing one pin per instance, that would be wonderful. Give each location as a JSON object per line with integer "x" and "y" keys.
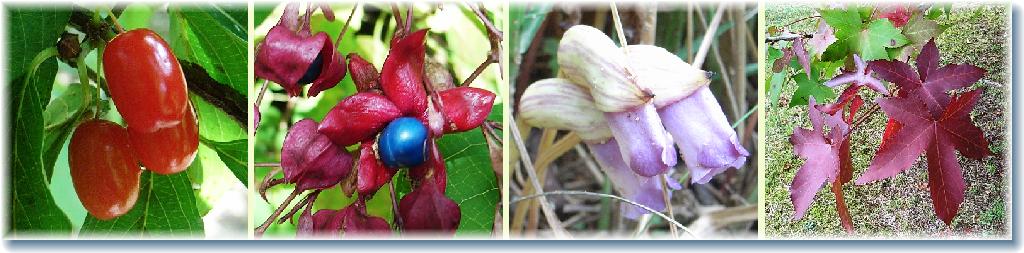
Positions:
{"x": 148, "y": 88}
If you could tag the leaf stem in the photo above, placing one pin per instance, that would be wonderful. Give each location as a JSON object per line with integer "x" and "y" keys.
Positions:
{"x": 113, "y": 18}
{"x": 83, "y": 76}
{"x": 744, "y": 117}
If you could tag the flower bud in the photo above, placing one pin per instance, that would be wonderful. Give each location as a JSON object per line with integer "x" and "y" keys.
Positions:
{"x": 557, "y": 103}
{"x": 586, "y": 56}
{"x": 669, "y": 78}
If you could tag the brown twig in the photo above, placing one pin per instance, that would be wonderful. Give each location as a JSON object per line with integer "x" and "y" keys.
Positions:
{"x": 801, "y": 19}
{"x": 494, "y": 36}
{"x": 270, "y": 220}
{"x": 305, "y": 203}
{"x": 345, "y": 28}
{"x": 398, "y": 17}
{"x": 269, "y": 181}
{"x": 787, "y": 37}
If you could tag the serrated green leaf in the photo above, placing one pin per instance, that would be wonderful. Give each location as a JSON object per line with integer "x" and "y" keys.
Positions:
{"x": 30, "y": 31}
{"x": 216, "y": 45}
{"x": 166, "y": 207}
{"x": 235, "y": 155}
{"x": 807, "y": 87}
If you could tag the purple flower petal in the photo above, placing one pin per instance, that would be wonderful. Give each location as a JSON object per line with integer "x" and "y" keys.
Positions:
{"x": 707, "y": 141}
{"x": 643, "y": 190}
{"x": 645, "y": 145}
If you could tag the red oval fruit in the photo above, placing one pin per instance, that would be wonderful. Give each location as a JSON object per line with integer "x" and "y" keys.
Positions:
{"x": 167, "y": 150}
{"x": 103, "y": 169}
{"x": 145, "y": 80}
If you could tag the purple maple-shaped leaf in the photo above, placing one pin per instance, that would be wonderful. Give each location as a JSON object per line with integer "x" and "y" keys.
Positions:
{"x": 861, "y": 76}
{"x": 310, "y": 160}
{"x": 823, "y": 38}
{"x": 801, "y": 55}
{"x": 934, "y": 81}
{"x": 427, "y": 209}
{"x": 822, "y": 153}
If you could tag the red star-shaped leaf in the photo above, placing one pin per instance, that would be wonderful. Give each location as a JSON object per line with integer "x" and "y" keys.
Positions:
{"x": 924, "y": 118}
{"x": 935, "y": 81}
{"x": 937, "y": 137}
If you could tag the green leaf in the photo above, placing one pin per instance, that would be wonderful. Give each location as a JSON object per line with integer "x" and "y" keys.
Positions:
{"x": 845, "y": 22}
{"x": 135, "y": 16}
{"x": 215, "y": 124}
{"x": 30, "y": 31}
{"x": 525, "y": 22}
{"x": 472, "y": 183}
{"x": 216, "y": 45}
{"x": 870, "y": 41}
{"x": 880, "y": 34}
{"x": 776, "y": 83}
{"x": 807, "y": 87}
{"x": 60, "y": 118}
{"x": 166, "y": 207}
{"x": 920, "y": 30}
{"x": 261, "y": 12}
{"x": 471, "y": 180}
{"x": 235, "y": 155}
{"x": 238, "y": 12}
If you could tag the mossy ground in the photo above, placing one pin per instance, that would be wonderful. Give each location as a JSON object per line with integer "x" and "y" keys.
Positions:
{"x": 901, "y": 206}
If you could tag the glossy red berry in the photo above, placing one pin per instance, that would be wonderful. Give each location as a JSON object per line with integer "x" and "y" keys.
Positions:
{"x": 145, "y": 80}
{"x": 167, "y": 150}
{"x": 103, "y": 169}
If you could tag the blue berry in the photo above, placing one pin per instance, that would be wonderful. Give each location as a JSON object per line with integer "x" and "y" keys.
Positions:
{"x": 403, "y": 143}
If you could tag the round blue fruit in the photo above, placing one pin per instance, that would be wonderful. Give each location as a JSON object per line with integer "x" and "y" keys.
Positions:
{"x": 403, "y": 143}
